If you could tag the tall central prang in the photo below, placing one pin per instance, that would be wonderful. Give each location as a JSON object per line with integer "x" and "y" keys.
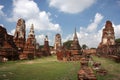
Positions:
{"x": 75, "y": 46}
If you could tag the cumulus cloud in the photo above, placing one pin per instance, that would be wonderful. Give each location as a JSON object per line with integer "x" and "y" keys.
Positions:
{"x": 93, "y": 39}
{"x": 40, "y": 38}
{"x": 1, "y": 12}
{"x": 117, "y": 30}
{"x": 90, "y": 39}
{"x": 71, "y": 6}
{"x": 94, "y": 24}
{"x": 29, "y": 10}
{"x": 1, "y": 25}
{"x": 12, "y": 32}
{"x": 90, "y": 36}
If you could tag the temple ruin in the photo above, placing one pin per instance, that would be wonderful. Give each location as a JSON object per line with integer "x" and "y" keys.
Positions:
{"x": 29, "y": 48}
{"x": 46, "y": 51}
{"x": 8, "y": 48}
{"x": 17, "y": 47}
{"x": 108, "y": 36}
{"x": 75, "y": 46}
{"x": 72, "y": 54}
{"x": 20, "y": 34}
{"x": 58, "y": 43}
{"x": 107, "y": 46}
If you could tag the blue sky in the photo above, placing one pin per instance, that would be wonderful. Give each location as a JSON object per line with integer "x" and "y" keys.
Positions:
{"x": 62, "y": 16}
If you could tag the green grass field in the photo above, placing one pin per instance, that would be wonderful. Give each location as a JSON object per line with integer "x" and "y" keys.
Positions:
{"x": 112, "y": 68}
{"x": 39, "y": 69}
{"x": 48, "y": 68}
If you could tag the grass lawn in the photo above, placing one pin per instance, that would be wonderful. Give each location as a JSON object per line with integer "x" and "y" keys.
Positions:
{"x": 39, "y": 69}
{"x": 112, "y": 68}
{"x": 48, "y": 68}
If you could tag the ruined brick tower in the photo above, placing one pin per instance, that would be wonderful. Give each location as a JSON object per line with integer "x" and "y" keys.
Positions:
{"x": 20, "y": 32}
{"x": 46, "y": 47}
{"x": 108, "y": 36}
{"x": 75, "y": 46}
{"x": 29, "y": 49}
{"x": 58, "y": 43}
{"x": 7, "y": 47}
{"x": 107, "y": 45}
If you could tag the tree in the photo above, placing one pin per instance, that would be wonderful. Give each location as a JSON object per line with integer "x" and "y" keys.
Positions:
{"x": 67, "y": 44}
{"x": 84, "y": 46}
{"x": 117, "y": 40}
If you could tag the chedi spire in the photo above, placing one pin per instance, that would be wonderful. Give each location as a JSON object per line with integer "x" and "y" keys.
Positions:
{"x": 30, "y": 46}
{"x": 75, "y": 45}
{"x": 31, "y": 33}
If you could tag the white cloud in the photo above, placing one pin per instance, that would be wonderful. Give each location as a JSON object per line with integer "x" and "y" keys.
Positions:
{"x": 71, "y": 6}
{"x": 12, "y": 32}
{"x": 69, "y": 37}
{"x": 1, "y": 25}
{"x": 117, "y": 30}
{"x": 40, "y": 38}
{"x": 25, "y": 8}
{"x": 90, "y": 36}
{"x": 43, "y": 23}
{"x": 29, "y": 10}
{"x": 92, "y": 39}
{"x": 94, "y": 24}
{"x": 1, "y": 12}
